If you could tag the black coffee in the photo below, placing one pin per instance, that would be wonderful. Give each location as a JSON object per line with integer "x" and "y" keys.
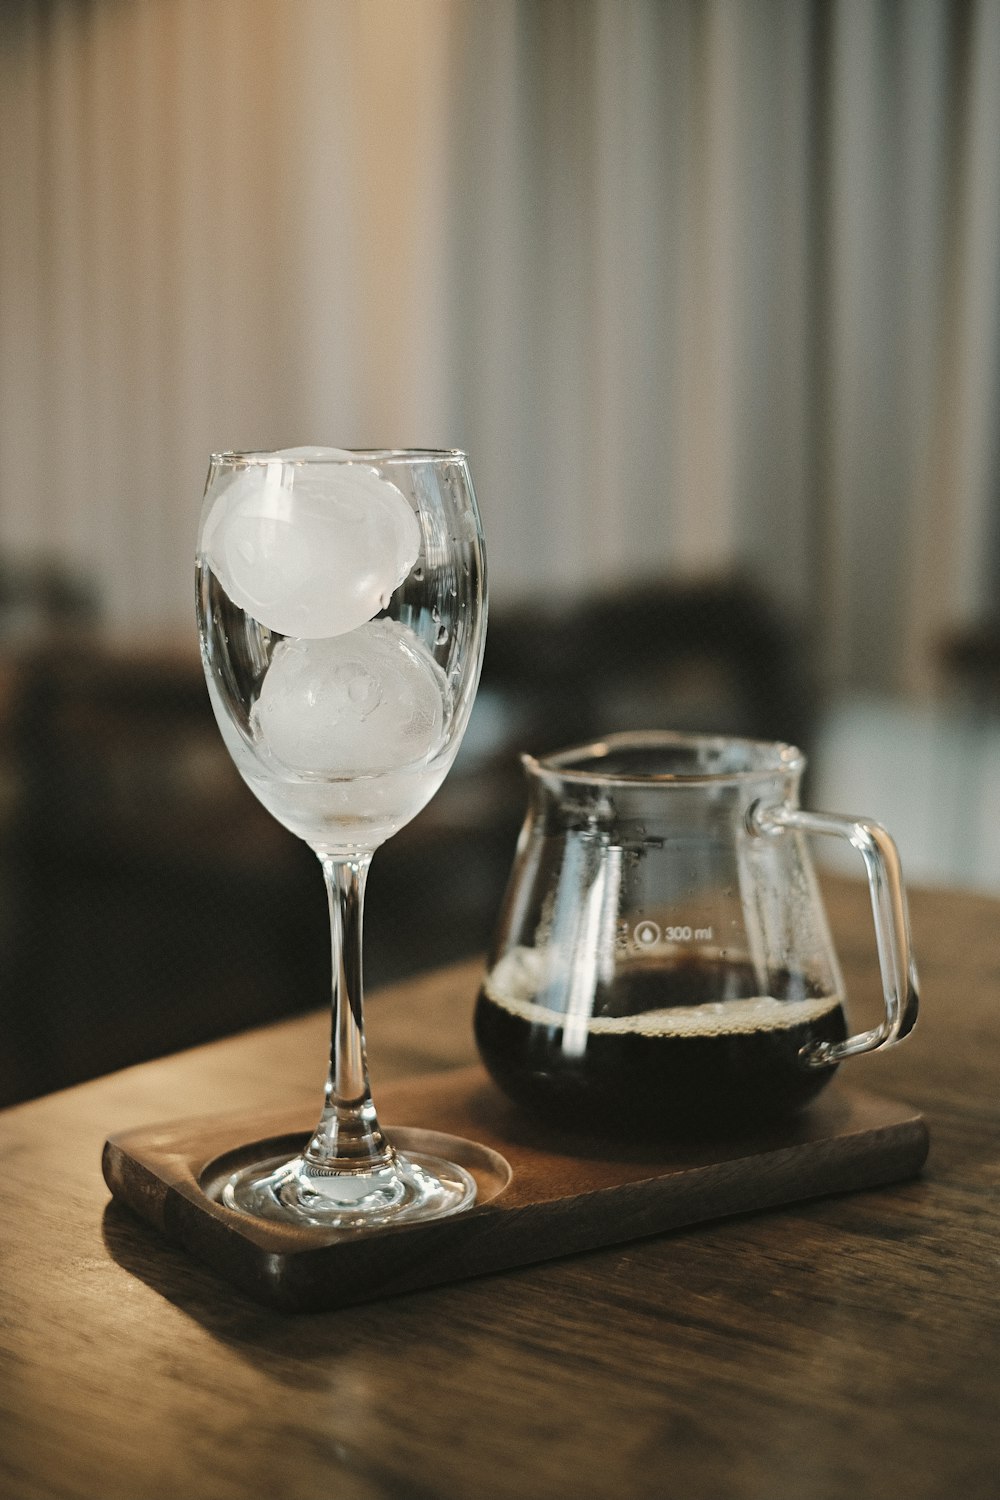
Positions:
{"x": 685, "y": 1045}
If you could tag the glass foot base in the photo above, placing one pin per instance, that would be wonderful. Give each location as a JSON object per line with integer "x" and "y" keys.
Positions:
{"x": 411, "y": 1186}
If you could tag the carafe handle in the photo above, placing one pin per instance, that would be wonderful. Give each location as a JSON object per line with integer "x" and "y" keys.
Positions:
{"x": 892, "y": 925}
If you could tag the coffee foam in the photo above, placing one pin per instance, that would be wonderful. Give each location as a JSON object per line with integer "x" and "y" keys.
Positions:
{"x": 520, "y": 975}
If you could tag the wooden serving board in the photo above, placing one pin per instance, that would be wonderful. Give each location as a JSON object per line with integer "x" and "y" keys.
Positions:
{"x": 541, "y": 1194}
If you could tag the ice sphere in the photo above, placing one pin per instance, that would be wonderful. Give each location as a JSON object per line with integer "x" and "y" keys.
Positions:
{"x": 359, "y": 704}
{"x": 313, "y": 453}
{"x": 314, "y": 549}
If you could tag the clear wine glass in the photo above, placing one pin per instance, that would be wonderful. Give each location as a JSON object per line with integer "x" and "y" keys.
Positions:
{"x": 342, "y": 616}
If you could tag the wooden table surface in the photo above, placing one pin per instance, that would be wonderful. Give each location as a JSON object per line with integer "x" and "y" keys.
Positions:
{"x": 845, "y": 1347}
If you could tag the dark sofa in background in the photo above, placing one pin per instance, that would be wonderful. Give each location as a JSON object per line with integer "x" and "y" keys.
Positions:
{"x": 149, "y": 903}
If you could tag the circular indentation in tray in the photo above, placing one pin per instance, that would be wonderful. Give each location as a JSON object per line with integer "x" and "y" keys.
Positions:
{"x": 491, "y": 1171}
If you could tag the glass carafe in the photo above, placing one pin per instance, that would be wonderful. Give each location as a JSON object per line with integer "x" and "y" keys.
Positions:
{"x": 663, "y": 959}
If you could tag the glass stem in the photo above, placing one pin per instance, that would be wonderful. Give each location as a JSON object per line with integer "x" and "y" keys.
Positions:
{"x": 348, "y": 1137}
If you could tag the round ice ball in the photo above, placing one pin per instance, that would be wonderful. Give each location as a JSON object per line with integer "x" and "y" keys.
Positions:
{"x": 310, "y": 549}
{"x": 311, "y": 452}
{"x": 359, "y": 704}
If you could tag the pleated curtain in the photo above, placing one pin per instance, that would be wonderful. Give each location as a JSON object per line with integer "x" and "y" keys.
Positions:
{"x": 705, "y": 288}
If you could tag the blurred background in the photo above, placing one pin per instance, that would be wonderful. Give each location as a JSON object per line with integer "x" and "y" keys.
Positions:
{"x": 708, "y": 290}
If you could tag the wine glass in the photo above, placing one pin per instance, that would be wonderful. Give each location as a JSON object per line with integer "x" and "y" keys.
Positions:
{"x": 342, "y": 617}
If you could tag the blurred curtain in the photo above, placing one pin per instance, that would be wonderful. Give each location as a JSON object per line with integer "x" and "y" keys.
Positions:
{"x": 704, "y": 287}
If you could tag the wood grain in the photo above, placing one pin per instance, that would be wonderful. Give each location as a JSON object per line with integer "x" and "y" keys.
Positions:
{"x": 843, "y": 1347}
{"x": 539, "y": 1195}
